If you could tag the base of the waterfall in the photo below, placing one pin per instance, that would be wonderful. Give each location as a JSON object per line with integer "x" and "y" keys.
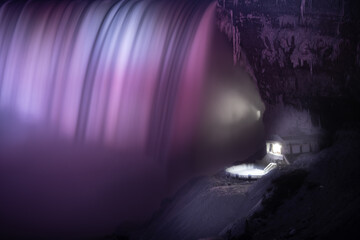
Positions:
{"x": 53, "y": 189}
{"x": 245, "y": 171}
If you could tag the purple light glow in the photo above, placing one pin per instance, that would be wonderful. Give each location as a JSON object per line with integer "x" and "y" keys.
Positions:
{"x": 106, "y": 72}
{"x": 107, "y": 107}
{"x": 122, "y": 78}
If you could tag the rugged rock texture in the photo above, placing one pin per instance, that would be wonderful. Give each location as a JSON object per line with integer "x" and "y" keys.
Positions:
{"x": 202, "y": 208}
{"x": 302, "y": 53}
{"x": 314, "y": 198}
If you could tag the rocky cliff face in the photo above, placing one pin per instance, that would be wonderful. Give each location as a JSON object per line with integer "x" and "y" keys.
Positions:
{"x": 303, "y": 54}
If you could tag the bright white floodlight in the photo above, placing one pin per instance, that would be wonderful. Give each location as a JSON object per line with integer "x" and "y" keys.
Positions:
{"x": 258, "y": 114}
{"x": 276, "y": 148}
{"x": 248, "y": 171}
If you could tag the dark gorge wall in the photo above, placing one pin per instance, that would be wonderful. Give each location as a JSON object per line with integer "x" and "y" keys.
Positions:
{"x": 303, "y": 54}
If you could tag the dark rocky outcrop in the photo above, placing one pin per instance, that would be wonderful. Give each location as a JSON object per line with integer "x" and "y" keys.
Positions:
{"x": 302, "y": 53}
{"x": 316, "y": 197}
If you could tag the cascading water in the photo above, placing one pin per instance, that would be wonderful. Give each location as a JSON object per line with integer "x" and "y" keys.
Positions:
{"x": 126, "y": 74}
{"x": 94, "y": 93}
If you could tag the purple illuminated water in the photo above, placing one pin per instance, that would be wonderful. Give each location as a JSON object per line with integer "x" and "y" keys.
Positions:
{"x": 123, "y": 74}
{"x": 105, "y": 105}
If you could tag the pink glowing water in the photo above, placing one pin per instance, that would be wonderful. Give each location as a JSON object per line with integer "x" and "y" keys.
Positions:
{"x": 106, "y": 87}
{"x": 125, "y": 74}
{"x": 91, "y": 92}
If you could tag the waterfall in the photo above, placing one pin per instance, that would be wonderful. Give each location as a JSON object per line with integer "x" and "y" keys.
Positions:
{"x": 125, "y": 74}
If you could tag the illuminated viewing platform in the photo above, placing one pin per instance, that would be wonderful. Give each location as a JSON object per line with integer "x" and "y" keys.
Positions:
{"x": 280, "y": 151}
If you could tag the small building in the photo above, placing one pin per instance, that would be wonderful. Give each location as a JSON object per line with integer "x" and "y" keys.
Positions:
{"x": 279, "y": 151}
{"x": 286, "y": 148}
